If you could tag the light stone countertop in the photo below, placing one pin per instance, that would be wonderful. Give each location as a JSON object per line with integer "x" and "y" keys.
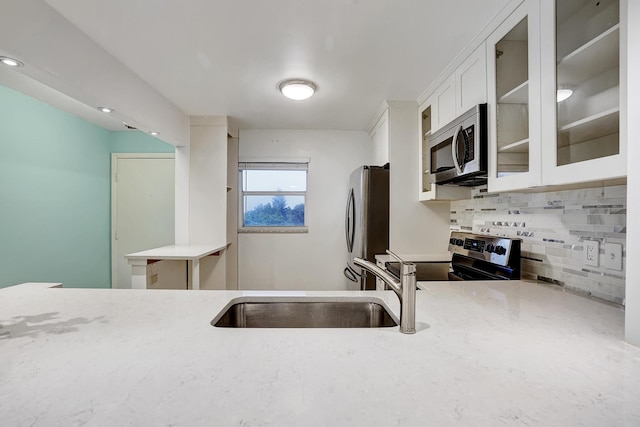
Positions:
{"x": 485, "y": 354}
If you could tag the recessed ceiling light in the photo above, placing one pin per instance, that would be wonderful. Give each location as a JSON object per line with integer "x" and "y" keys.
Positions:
{"x": 297, "y": 89}
{"x": 563, "y": 94}
{"x": 106, "y": 109}
{"x": 154, "y": 133}
{"x": 11, "y": 62}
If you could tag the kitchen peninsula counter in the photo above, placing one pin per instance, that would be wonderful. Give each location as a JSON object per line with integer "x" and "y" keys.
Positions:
{"x": 485, "y": 354}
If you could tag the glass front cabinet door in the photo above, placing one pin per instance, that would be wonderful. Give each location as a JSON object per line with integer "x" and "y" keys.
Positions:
{"x": 581, "y": 80}
{"x": 513, "y": 70}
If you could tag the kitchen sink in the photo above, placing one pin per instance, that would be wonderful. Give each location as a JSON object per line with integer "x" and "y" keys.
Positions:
{"x": 256, "y": 312}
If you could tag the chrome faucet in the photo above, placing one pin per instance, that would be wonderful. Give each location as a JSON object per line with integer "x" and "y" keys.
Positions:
{"x": 405, "y": 288}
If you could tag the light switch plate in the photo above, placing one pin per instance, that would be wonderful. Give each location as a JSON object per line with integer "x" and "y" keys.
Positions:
{"x": 591, "y": 252}
{"x": 612, "y": 258}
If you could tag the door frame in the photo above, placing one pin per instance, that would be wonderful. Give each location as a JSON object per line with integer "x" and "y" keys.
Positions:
{"x": 114, "y": 198}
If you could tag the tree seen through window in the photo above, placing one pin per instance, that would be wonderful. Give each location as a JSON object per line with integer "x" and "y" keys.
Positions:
{"x": 276, "y": 213}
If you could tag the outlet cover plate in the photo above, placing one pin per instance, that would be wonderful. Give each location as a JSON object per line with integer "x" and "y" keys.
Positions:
{"x": 591, "y": 252}
{"x": 612, "y": 258}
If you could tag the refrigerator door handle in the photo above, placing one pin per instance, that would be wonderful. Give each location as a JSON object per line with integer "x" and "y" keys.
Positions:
{"x": 351, "y": 274}
{"x": 349, "y": 221}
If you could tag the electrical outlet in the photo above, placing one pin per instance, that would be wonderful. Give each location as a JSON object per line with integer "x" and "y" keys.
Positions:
{"x": 591, "y": 252}
{"x": 612, "y": 258}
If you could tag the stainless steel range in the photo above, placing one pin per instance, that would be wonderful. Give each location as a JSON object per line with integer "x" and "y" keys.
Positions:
{"x": 480, "y": 257}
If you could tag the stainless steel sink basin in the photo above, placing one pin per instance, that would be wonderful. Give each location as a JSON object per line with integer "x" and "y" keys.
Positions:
{"x": 305, "y": 313}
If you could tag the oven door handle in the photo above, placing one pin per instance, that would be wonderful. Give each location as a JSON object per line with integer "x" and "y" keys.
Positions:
{"x": 454, "y": 150}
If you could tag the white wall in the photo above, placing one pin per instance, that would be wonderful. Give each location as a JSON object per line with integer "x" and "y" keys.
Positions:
{"x": 315, "y": 260}
{"x": 379, "y": 137}
{"x": 414, "y": 227}
{"x": 231, "y": 254}
{"x": 208, "y": 181}
{"x": 207, "y": 194}
{"x": 632, "y": 98}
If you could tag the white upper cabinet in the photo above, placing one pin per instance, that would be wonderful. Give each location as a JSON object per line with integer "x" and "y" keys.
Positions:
{"x": 471, "y": 81}
{"x": 465, "y": 88}
{"x": 379, "y": 136}
{"x": 513, "y": 86}
{"x": 424, "y": 125}
{"x": 443, "y": 106}
{"x": 582, "y": 57}
{"x": 462, "y": 90}
{"x": 542, "y": 50}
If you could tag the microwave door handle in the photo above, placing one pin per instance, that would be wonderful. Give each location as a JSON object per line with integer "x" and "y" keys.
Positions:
{"x": 454, "y": 150}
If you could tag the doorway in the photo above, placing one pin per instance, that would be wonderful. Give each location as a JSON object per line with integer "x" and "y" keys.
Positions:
{"x": 142, "y": 208}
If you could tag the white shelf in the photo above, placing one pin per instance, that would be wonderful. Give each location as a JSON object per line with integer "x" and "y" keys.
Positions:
{"x": 580, "y": 66}
{"x": 179, "y": 252}
{"x": 594, "y": 126}
{"x": 521, "y": 146}
{"x": 443, "y": 193}
{"x": 517, "y": 95}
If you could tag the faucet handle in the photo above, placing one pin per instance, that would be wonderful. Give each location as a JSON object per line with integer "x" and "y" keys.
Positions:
{"x": 395, "y": 256}
{"x": 407, "y": 266}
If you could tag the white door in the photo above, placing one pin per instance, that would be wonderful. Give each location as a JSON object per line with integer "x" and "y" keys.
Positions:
{"x": 142, "y": 208}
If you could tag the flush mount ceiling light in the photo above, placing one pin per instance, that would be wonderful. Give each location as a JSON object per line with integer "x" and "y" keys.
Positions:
{"x": 11, "y": 62}
{"x": 106, "y": 109}
{"x": 563, "y": 94}
{"x": 297, "y": 89}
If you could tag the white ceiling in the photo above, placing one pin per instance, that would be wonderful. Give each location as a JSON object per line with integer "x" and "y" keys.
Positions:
{"x": 226, "y": 57}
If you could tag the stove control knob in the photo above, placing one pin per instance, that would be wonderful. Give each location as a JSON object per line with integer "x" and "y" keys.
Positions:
{"x": 490, "y": 248}
{"x": 500, "y": 250}
{"x": 452, "y": 241}
{"x": 459, "y": 242}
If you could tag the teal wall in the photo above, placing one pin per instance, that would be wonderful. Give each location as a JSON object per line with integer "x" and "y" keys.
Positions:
{"x": 55, "y": 195}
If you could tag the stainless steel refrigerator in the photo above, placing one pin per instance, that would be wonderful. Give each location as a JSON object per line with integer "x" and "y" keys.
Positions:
{"x": 366, "y": 222}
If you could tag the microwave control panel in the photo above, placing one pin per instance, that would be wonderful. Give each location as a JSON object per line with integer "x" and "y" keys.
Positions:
{"x": 469, "y": 142}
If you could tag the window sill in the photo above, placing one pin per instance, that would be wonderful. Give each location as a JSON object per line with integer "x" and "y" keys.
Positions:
{"x": 274, "y": 230}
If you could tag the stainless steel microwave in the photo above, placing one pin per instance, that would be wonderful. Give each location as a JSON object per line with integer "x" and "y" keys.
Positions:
{"x": 459, "y": 150}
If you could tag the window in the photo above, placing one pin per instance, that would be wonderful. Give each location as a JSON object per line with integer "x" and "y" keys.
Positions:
{"x": 273, "y": 197}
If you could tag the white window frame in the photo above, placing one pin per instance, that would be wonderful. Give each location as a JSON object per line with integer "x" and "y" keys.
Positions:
{"x": 260, "y": 164}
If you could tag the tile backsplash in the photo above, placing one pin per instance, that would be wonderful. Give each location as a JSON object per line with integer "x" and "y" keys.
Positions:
{"x": 553, "y": 227}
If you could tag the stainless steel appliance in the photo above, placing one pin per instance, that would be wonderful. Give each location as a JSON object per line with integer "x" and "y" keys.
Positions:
{"x": 366, "y": 222}
{"x": 426, "y": 271}
{"x": 480, "y": 257}
{"x": 459, "y": 150}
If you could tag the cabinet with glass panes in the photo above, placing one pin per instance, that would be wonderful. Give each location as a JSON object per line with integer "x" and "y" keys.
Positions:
{"x": 513, "y": 64}
{"x": 584, "y": 143}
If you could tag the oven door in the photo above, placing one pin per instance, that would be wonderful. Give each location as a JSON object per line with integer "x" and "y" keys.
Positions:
{"x": 469, "y": 268}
